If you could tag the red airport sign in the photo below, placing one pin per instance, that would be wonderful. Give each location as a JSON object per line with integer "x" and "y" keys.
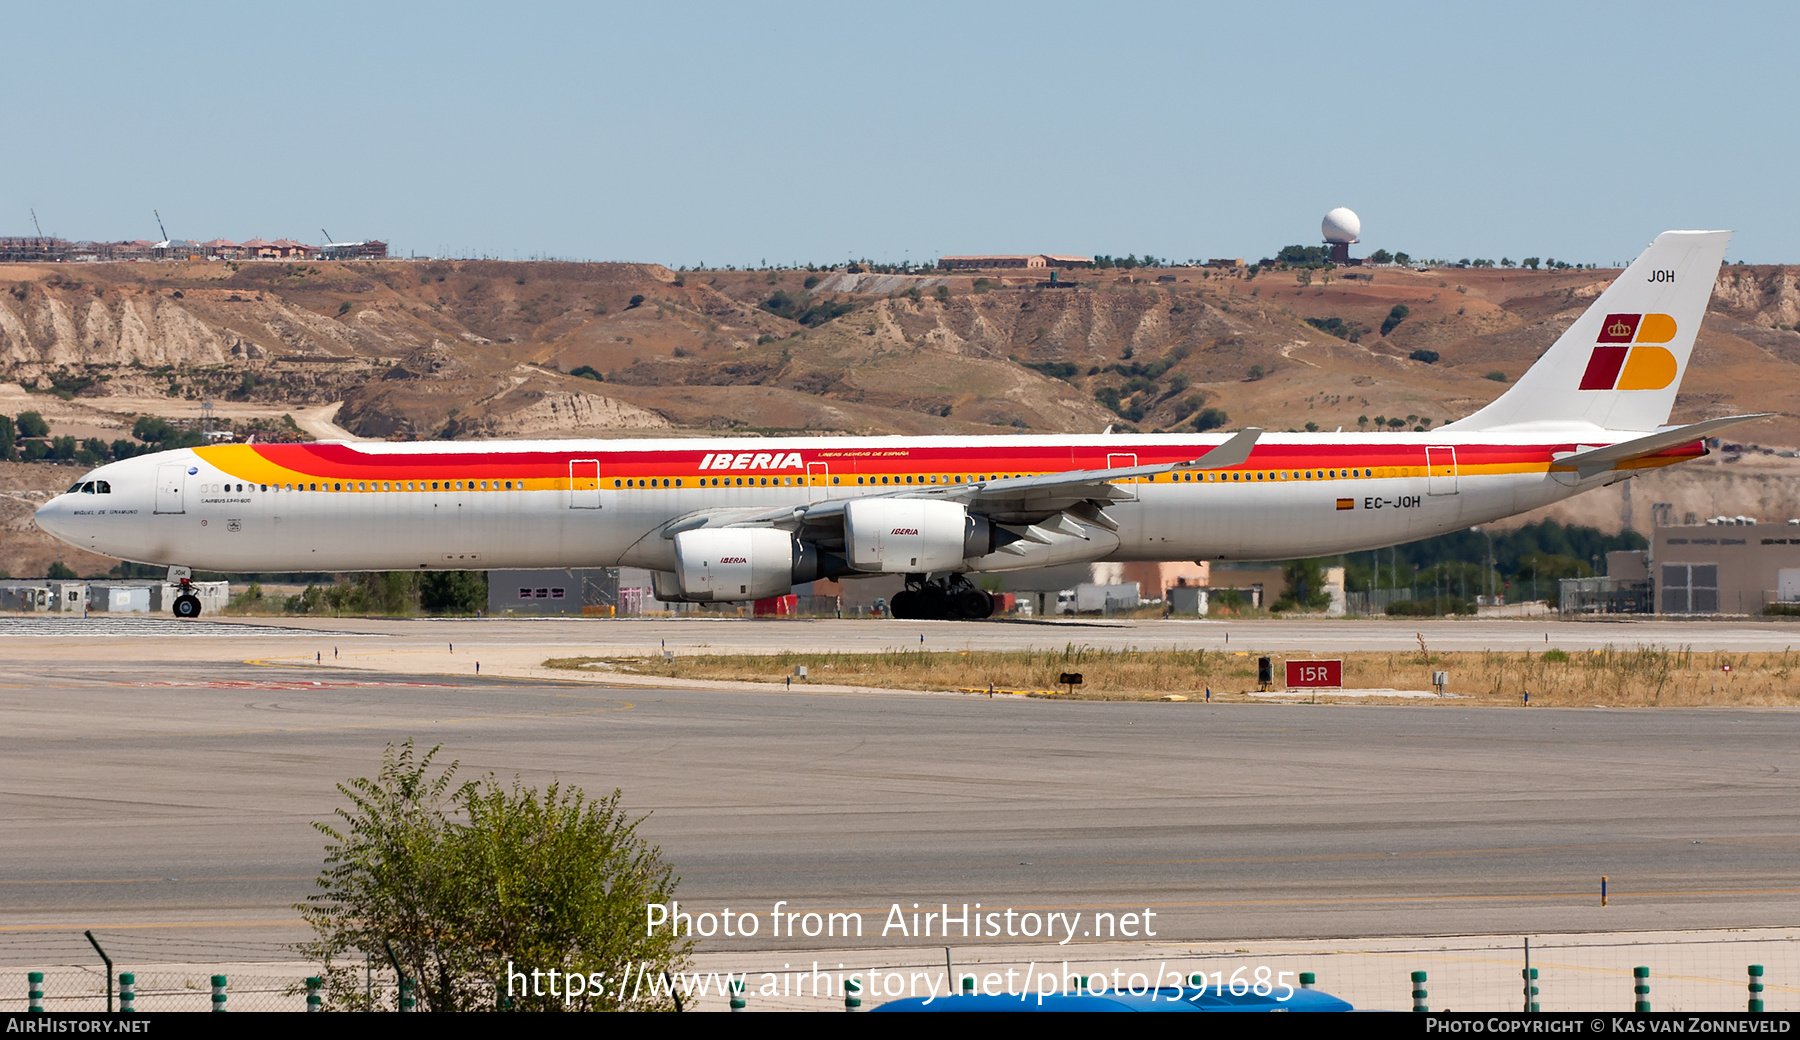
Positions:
{"x": 1315, "y": 674}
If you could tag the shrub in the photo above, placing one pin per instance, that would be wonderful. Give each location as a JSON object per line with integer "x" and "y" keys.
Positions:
{"x": 463, "y": 883}
{"x": 1430, "y": 357}
{"x": 1210, "y": 419}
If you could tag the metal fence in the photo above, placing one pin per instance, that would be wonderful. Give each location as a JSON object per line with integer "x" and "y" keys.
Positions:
{"x": 1482, "y": 974}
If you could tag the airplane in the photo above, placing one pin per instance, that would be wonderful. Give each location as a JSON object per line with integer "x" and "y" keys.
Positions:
{"x": 736, "y": 519}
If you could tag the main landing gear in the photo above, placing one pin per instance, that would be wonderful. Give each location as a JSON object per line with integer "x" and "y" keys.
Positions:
{"x": 943, "y": 599}
{"x": 187, "y": 605}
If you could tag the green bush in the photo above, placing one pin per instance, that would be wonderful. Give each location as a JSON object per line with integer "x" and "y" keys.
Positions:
{"x": 469, "y": 884}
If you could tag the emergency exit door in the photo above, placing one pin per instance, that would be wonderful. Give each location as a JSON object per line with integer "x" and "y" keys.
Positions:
{"x": 584, "y": 484}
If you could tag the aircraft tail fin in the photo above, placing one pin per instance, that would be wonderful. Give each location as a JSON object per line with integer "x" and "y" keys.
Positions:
{"x": 1619, "y": 366}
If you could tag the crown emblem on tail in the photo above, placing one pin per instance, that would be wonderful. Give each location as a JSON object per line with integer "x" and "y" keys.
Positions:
{"x": 1619, "y": 329}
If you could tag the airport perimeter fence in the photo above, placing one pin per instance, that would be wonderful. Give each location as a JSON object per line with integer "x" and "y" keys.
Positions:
{"x": 1464, "y": 974}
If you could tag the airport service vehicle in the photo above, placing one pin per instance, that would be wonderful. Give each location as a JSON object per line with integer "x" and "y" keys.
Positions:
{"x": 742, "y": 519}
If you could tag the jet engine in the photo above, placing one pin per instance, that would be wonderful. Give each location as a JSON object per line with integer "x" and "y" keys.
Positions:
{"x": 738, "y": 563}
{"x": 912, "y": 536}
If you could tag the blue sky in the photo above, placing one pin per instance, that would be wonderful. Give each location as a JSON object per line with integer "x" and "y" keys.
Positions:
{"x": 738, "y": 133}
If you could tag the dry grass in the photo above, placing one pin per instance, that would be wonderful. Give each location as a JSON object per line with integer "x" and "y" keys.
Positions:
{"x": 1625, "y": 678}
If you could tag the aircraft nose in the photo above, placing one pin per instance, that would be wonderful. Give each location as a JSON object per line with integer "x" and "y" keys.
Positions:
{"x": 55, "y": 517}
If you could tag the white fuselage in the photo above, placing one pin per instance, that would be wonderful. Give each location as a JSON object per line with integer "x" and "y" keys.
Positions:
{"x": 478, "y": 506}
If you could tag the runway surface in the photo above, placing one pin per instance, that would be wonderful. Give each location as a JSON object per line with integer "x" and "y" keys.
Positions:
{"x": 165, "y": 787}
{"x": 744, "y": 635}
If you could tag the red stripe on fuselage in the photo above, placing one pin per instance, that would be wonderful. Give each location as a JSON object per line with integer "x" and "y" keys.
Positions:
{"x": 346, "y": 462}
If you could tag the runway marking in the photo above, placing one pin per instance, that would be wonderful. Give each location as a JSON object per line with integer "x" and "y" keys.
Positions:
{"x": 146, "y": 924}
{"x": 159, "y": 880}
{"x": 1332, "y": 857}
{"x": 615, "y": 706}
{"x": 298, "y": 684}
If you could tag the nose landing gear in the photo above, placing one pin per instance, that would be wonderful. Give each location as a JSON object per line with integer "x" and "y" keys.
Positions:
{"x": 944, "y": 599}
{"x": 187, "y": 605}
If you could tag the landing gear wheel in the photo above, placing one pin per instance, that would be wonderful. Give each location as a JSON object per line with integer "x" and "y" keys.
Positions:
{"x": 901, "y": 606}
{"x": 187, "y": 605}
{"x": 974, "y": 604}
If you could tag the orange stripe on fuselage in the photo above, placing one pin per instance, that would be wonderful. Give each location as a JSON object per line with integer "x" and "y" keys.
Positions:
{"x": 295, "y": 463}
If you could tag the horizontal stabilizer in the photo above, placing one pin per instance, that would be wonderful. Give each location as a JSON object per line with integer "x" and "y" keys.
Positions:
{"x": 1599, "y": 460}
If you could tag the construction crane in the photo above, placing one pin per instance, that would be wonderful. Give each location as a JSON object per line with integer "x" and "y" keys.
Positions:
{"x": 164, "y": 244}
{"x": 35, "y": 224}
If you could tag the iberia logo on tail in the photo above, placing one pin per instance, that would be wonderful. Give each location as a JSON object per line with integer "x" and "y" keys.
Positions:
{"x": 1614, "y": 366}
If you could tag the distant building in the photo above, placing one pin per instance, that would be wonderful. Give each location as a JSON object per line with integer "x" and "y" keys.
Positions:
{"x": 1724, "y": 565}
{"x": 32, "y": 250}
{"x": 371, "y": 250}
{"x": 1227, "y": 262}
{"x": 1013, "y": 261}
{"x": 570, "y": 591}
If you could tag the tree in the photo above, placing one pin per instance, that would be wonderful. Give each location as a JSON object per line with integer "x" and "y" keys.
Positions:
{"x": 1430, "y": 357}
{"x": 60, "y": 571}
{"x": 6, "y": 438}
{"x": 1402, "y": 259}
{"x": 1303, "y": 586}
{"x": 1210, "y": 419}
{"x": 1398, "y": 314}
{"x": 462, "y": 883}
{"x": 453, "y": 592}
{"x": 32, "y": 424}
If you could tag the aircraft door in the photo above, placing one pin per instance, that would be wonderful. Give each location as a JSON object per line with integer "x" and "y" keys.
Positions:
{"x": 584, "y": 484}
{"x": 171, "y": 488}
{"x": 1124, "y": 460}
{"x": 1440, "y": 471}
{"x": 818, "y": 481}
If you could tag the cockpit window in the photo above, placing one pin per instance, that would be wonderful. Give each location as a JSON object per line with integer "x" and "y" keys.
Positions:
{"x": 101, "y": 487}
{"x": 90, "y": 487}
{"x": 74, "y": 489}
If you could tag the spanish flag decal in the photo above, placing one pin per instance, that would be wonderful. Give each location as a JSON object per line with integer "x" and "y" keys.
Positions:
{"x": 1346, "y": 503}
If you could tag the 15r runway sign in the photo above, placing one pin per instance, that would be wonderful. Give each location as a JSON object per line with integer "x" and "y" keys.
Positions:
{"x": 1314, "y": 674}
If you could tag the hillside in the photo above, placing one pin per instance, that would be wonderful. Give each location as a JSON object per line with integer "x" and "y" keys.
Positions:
{"x": 472, "y": 349}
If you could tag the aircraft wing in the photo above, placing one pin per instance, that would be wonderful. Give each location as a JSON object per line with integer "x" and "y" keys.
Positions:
{"x": 1599, "y": 460}
{"x": 1006, "y": 499}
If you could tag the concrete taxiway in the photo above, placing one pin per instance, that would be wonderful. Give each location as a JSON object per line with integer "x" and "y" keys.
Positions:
{"x": 162, "y": 784}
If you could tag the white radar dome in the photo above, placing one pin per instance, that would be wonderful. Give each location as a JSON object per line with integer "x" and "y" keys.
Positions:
{"x": 1341, "y": 225}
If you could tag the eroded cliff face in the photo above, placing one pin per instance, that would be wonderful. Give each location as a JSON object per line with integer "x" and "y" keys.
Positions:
{"x": 477, "y": 348}
{"x": 1766, "y": 296}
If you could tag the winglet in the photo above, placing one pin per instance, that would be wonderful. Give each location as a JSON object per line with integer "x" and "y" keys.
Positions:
{"x": 1233, "y": 452}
